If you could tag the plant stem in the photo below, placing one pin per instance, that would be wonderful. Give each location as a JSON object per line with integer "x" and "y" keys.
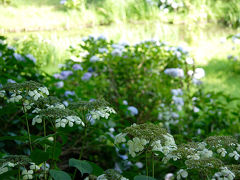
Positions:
{"x": 146, "y": 164}
{"x": 29, "y": 136}
{"x": 19, "y": 175}
{"x": 83, "y": 139}
{"x": 54, "y": 146}
{"x": 45, "y": 148}
{"x": 153, "y": 165}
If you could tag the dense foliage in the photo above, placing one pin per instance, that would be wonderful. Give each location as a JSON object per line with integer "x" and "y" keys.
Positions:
{"x": 140, "y": 109}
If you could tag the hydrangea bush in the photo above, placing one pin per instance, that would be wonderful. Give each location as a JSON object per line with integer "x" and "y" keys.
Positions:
{"x": 162, "y": 124}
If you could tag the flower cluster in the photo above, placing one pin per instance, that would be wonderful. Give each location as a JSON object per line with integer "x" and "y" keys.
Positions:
{"x": 167, "y": 5}
{"x": 174, "y": 72}
{"x": 70, "y": 120}
{"x": 111, "y": 174}
{"x": 157, "y": 139}
{"x": 101, "y": 112}
{"x": 225, "y": 173}
{"x": 178, "y": 101}
{"x": 25, "y": 92}
{"x": 182, "y": 174}
{"x": 136, "y": 145}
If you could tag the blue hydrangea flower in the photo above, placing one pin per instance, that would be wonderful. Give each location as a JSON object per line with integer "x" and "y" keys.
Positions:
{"x": 86, "y": 76}
{"x": 174, "y": 72}
{"x": 31, "y": 57}
{"x": 77, "y": 67}
{"x": 94, "y": 59}
{"x": 69, "y": 93}
{"x": 133, "y": 110}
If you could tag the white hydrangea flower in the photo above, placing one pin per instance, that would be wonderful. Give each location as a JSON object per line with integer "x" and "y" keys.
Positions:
{"x": 205, "y": 153}
{"x": 157, "y": 146}
{"x": 120, "y": 138}
{"x": 136, "y": 145}
{"x": 224, "y": 174}
{"x": 14, "y": 98}
{"x": 35, "y": 94}
{"x": 2, "y": 93}
{"x": 27, "y": 174}
{"x": 10, "y": 164}
{"x": 193, "y": 157}
{"x": 182, "y": 174}
{"x": 238, "y": 147}
{"x": 102, "y": 177}
{"x": 37, "y": 119}
{"x": 70, "y": 120}
{"x": 199, "y": 73}
{"x": 202, "y": 145}
{"x": 61, "y": 123}
{"x": 3, "y": 169}
{"x": 36, "y": 110}
{"x": 59, "y": 106}
{"x": 44, "y": 90}
{"x": 222, "y": 152}
{"x": 235, "y": 155}
{"x": 189, "y": 60}
{"x": 102, "y": 113}
{"x": 27, "y": 104}
{"x": 33, "y": 166}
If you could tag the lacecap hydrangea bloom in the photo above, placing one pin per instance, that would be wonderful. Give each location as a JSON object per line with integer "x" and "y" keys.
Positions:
{"x": 142, "y": 135}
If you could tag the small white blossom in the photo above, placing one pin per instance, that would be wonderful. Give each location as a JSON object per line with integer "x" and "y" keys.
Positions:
{"x": 44, "y": 90}
{"x": 136, "y": 145}
{"x": 36, "y": 119}
{"x": 222, "y": 152}
{"x": 3, "y": 169}
{"x": 224, "y": 174}
{"x": 103, "y": 112}
{"x": 120, "y": 138}
{"x": 33, "y": 166}
{"x": 205, "y": 153}
{"x": 2, "y": 93}
{"x": 199, "y": 73}
{"x": 27, "y": 174}
{"x": 182, "y": 174}
{"x": 235, "y": 155}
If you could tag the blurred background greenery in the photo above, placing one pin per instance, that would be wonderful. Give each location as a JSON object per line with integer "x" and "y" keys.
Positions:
{"x": 46, "y": 29}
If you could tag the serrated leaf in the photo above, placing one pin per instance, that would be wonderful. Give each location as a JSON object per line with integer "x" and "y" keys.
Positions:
{"x": 82, "y": 166}
{"x": 142, "y": 177}
{"x": 59, "y": 175}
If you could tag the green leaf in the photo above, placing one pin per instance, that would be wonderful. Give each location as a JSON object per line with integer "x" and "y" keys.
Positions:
{"x": 19, "y": 138}
{"x": 56, "y": 152}
{"x": 38, "y": 156}
{"x": 59, "y": 175}
{"x": 142, "y": 177}
{"x": 97, "y": 170}
{"x": 82, "y": 166}
{"x": 44, "y": 140}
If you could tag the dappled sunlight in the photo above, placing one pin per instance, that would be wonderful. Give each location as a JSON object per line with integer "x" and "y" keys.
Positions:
{"x": 119, "y": 89}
